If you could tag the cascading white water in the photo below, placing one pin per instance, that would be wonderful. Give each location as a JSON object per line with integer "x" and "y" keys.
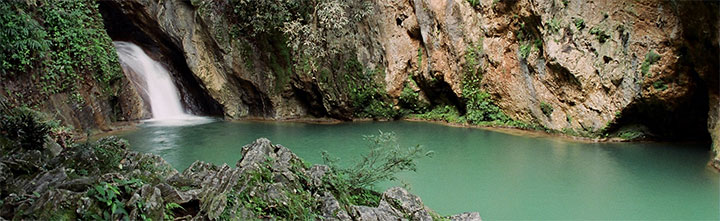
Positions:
{"x": 153, "y": 81}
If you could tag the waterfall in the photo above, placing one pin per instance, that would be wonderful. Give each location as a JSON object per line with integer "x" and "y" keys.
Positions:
{"x": 152, "y": 81}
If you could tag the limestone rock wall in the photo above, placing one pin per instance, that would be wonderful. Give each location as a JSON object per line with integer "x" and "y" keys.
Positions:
{"x": 600, "y": 65}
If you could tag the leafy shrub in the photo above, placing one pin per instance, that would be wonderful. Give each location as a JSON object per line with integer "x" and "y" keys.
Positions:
{"x": 546, "y": 108}
{"x": 660, "y": 85}
{"x": 110, "y": 151}
{"x": 554, "y": 25}
{"x": 110, "y": 197}
{"x": 579, "y": 23}
{"x": 22, "y": 41}
{"x": 480, "y": 107}
{"x": 650, "y": 58}
{"x": 385, "y": 159}
{"x": 601, "y": 35}
{"x": 256, "y": 17}
{"x": 57, "y": 42}
{"x": 631, "y": 134}
{"x": 367, "y": 96}
{"x": 410, "y": 99}
{"x": 474, "y": 3}
{"x": 446, "y": 113}
{"x": 23, "y": 127}
{"x": 168, "y": 213}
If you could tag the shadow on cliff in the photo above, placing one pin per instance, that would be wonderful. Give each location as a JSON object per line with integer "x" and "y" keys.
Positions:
{"x": 684, "y": 118}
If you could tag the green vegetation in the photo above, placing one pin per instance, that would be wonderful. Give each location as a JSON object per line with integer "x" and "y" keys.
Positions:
{"x": 446, "y": 113}
{"x": 168, "y": 214}
{"x": 601, "y": 35}
{"x": 546, "y": 108}
{"x": 631, "y": 134}
{"x": 474, "y": 3}
{"x": 368, "y": 97}
{"x": 660, "y": 85}
{"x": 110, "y": 151}
{"x": 481, "y": 107}
{"x": 349, "y": 185}
{"x": 22, "y": 127}
{"x": 525, "y": 49}
{"x": 56, "y": 43}
{"x": 529, "y": 39}
{"x": 385, "y": 159}
{"x": 298, "y": 205}
{"x": 650, "y": 59}
{"x": 246, "y": 53}
{"x": 352, "y": 185}
{"x": 109, "y": 201}
{"x": 478, "y": 104}
{"x": 262, "y": 17}
{"x": 410, "y": 100}
{"x": 579, "y": 23}
{"x": 554, "y": 26}
{"x": 22, "y": 41}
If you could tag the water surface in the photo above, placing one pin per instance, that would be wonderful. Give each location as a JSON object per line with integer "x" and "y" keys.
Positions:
{"x": 499, "y": 175}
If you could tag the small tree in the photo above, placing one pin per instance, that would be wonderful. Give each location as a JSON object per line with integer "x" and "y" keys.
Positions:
{"x": 385, "y": 159}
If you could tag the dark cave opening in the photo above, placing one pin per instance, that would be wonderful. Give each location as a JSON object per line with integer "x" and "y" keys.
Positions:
{"x": 121, "y": 27}
{"x": 681, "y": 120}
{"x": 684, "y": 118}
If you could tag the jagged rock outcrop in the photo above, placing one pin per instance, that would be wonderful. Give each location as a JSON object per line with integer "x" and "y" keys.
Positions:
{"x": 103, "y": 180}
{"x": 590, "y": 68}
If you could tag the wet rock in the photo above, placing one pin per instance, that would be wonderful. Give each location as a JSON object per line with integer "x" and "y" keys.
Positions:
{"x": 172, "y": 194}
{"x": 41, "y": 182}
{"x": 401, "y": 199}
{"x": 474, "y": 216}
{"x": 149, "y": 166}
{"x": 317, "y": 172}
{"x": 369, "y": 213}
{"x": 52, "y": 147}
{"x": 270, "y": 181}
{"x": 257, "y": 153}
{"x": 330, "y": 208}
{"x": 398, "y": 204}
{"x": 214, "y": 183}
{"x": 77, "y": 185}
{"x": 153, "y": 202}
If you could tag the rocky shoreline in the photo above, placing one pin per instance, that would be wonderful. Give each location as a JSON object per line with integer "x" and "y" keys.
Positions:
{"x": 104, "y": 180}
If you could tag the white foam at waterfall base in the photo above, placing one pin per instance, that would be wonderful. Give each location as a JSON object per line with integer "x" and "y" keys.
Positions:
{"x": 154, "y": 82}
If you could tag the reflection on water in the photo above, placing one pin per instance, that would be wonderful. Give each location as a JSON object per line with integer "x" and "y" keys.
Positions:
{"x": 186, "y": 120}
{"x": 499, "y": 175}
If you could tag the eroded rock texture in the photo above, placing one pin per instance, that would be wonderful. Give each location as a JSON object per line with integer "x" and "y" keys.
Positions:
{"x": 601, "y": 66}
{"x": 268, "y": 182}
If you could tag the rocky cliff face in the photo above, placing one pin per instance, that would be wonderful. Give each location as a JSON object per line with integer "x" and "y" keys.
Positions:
{"x": 573, "y": 66}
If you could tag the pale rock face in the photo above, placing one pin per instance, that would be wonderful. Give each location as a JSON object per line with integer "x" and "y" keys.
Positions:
{"x": 587, "y": 64}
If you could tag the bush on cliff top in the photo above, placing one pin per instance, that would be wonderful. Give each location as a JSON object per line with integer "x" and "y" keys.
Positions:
{"x": 56, "y": 43}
